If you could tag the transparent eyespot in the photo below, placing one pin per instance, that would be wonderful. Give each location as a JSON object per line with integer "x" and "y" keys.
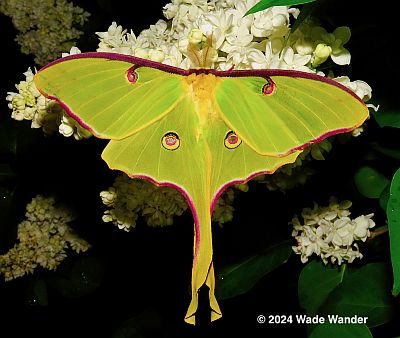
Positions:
{"x": 231, "y": 140}
{"x": 170, "y": 141}
{"x": 269, "y": 87}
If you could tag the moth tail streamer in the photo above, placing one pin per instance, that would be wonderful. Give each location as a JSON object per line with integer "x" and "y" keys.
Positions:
{"x": 203, "y": 267}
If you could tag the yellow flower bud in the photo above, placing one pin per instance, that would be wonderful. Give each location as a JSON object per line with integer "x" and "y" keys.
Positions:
{"x": 321, "y": 53}
{"x": 196, "y": 36}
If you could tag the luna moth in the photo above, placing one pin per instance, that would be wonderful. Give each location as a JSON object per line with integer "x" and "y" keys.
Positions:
{"x": 198, "y": 130}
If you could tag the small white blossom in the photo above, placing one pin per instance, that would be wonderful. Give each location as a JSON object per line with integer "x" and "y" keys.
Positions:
{"x": 361, "y": 88}
{"x": 357, "y": 132}
{"x": 238, "y": 45}
{"x": 117, "y": 40}
{"x": 290, "y": 60}
{"x": 65, "y": 127}
{"x": 363, "y": 91}
{"x": 174, "y": 57}
{"x": 156, "y": 55}
{"x": 361, "y": 227}
{"x": 170, "y": 10}
{"x": 304, "y": 46}
{"x": 240, "y": 37}
{"x": 108, "y": 197}
{"x": 74, "y": 50}
{"x": 114, "y": 33}
{"x": 69, "y": 127}
{"x": 271, "y": 22}
{"x": 218, "y": 24}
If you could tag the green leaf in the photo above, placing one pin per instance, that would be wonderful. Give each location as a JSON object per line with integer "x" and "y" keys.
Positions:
{"x": 63, "y": 286}
{"x": 370, "y": 182}
{"x": 393, "y": 215}
{"x": 8, "y": 140}
{"x": 384, "y": 198}
{"x": 305, "y": 13}
{"x": 394, "y": 153}
{"x": 8, "y": 217}
{"x": 388, "y": 118}
{"x": 324, "y": 278}
{"x": 6, "y": 173}
{"x": 364, "y": 292}
{"x": 328, "y": 330}
{"x": 239, "y": 278}
{"x": 6, "y": 197}
{"x": 264, "y": 4}
{"x": 148, "y": 324}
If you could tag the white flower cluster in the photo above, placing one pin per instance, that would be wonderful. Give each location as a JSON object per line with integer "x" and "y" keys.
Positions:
{"x": 43, "y": 238}
{"x": 330, "y": 233}
{"x": 30, "y": 104}
{"x": 130, "y": 198}
{"x": 252, "y": 42}
{"x": 363, "y": 91}
{"x": 45, "y": 27}
{"x": 223, "y": 210}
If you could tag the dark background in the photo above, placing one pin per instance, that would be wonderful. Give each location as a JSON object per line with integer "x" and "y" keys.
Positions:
{"x": 148, "y": 270}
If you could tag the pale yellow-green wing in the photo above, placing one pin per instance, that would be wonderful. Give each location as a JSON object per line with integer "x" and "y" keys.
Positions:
{"x": 277, "y": 112}
{"x": 113, "y": 98}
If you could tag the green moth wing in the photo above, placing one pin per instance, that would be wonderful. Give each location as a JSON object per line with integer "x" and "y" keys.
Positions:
{"x": 87, "y": 84}
{"x": 198, "y": 131}
{"x": 279, "y": 113}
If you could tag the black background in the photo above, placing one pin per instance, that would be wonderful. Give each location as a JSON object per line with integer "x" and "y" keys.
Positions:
{"x": 150, "y": 268}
